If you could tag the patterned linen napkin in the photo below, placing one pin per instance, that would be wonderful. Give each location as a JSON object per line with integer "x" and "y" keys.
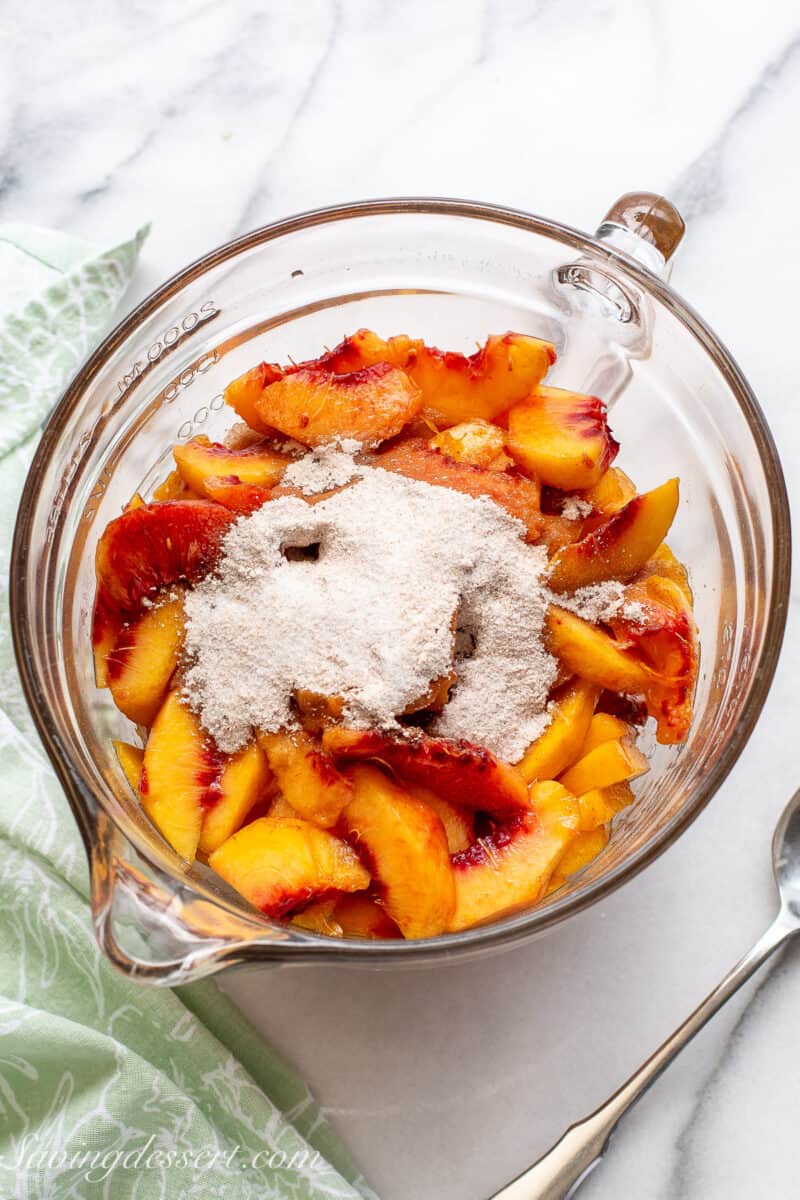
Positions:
{"x": 107, "y": 1088}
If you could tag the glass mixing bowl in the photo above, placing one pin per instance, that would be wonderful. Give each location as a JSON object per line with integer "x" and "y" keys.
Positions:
{"x": 451, "y": 272}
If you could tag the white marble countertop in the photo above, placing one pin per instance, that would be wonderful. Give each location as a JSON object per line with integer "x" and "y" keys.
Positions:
{"x": 209, "y": 118}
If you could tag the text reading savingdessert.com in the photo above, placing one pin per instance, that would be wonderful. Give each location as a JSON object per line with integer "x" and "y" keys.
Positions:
{"x": 36, "y": 1156}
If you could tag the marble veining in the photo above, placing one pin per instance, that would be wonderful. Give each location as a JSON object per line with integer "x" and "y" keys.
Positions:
{"x": 209, "y": 118}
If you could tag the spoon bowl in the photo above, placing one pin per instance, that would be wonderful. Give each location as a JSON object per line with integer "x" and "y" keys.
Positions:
{"x": 786, "y": 859}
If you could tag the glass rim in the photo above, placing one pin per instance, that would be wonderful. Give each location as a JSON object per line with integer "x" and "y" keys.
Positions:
{"x": 522, "y": 925}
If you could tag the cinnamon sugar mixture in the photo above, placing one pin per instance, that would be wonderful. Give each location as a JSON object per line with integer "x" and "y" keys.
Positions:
{"x": 372, "y": 594}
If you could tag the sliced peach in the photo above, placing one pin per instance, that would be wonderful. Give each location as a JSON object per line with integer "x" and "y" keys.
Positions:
{"x": 316, "y": 711}
{"x": 582, "y": 850}
{"x": 245, "y": 392}
{"x": 478, "y": 443}
{"x": 591, "y": 652}
{"x": 561, "y": 437}
{"x": 664, "y": 634}
{"x": 286, "y": 490}
{"x": 200, "y": 460}
{"x": 601, "y": 805}
{"x": 241, "y": 498}
{"x": 359, "y": 916}
{"x": 244, "y": 781}
{"x": 458, "y": 822}
{"x": 280, "y": 807}
{"x": 511, "y": 867}
{"x": 435, "y": 698}
{"x": 107, "y": 625}
{"x": 557, "y": 532}
{"x": 611, "y": 762}
{"x": 157, "y": 546}
{"x": 603, "y": 727}
{"x": 663, "y": 562}
{"x": 622, "y": 544}
{"x": 143, "y": 660}
{"x": 319, "y": 918}
{"x": 404, "y": 843}
{"x": 180, "y": 775}
{"x": 560, "y": 744}
{"x": 415, "y": 459}
{"x": 630, "y": 709}
{"x": 174, "y": 488}
{"x": 458, "y": 771}
{"x": 130, "y": 759}
{"x": 455, "y": 387}
{"x": 136, "y": 501}
{"x": 282, "y": 864}
{"x": 316, "y": 406}
{"x": 307, "y": 778}
{"x": 459, "y": 387}
{"x": 612, "y": 491}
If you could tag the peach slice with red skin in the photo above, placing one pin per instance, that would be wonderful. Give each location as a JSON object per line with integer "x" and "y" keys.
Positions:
{"x": 149, "y": 548}
{"x": 617, "y": 548}
{"x": 415, "y": 459}
{"x": 244, "y": 781}
{"x": 458, "y": 771}
{"x": 243, "y": 393}
{"x": 308, "y": 779}
{"x": 315, "y": 406}
{"x": 283, "y": 864}
{"x": 664, "y": 634}
{"x": 200, "y": 460}
{"x": 143, "y": 660}
{"x": 241, "y": 498}
{"x": 455, "y": 387}
{"x": 403, "y": 843}
{"x": 180, "y": 775}
{"x": 511, "y": 867}
{"x": 561, "y": 437}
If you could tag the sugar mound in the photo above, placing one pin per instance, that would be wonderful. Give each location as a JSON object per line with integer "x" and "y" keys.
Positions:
{"x": 372, "y": 594}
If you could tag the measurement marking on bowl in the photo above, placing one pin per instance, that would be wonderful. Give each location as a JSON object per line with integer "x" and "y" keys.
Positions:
{"x": 215, "y": 404}
{"x": 98, "y": 492}
{"x": 186, "y": 378}
{"x": 168, "y": 340}
{"x": 66, "y": 479}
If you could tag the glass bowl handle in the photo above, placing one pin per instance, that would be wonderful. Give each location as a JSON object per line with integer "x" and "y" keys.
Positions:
{"x": 614, "y": 319}
{"x": 156, "y": 931}
{"x": 645, "y": 226}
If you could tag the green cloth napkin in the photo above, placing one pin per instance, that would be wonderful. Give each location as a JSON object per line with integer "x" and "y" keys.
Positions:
{"x": 109, "y": 1089}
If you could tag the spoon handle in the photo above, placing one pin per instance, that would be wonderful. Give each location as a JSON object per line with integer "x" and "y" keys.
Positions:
{"x": 558, "y": 1173}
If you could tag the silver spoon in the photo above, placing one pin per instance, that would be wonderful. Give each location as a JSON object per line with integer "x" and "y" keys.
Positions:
{"x": 561, "y": 1170}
